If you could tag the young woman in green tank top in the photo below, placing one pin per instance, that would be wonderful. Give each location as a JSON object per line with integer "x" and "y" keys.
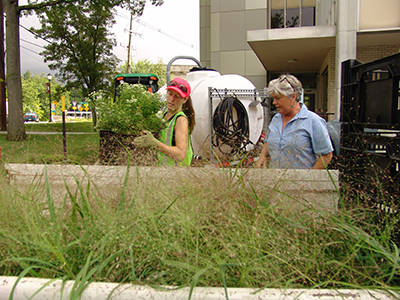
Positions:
{"x": 174, "y": 148}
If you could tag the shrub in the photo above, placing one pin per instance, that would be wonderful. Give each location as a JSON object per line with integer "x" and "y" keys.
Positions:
{"x": 135, "y": 110}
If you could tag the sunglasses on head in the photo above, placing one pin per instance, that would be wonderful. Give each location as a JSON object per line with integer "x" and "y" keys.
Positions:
{"x": 179, "y": 85}
{"x": 282, "y": 78}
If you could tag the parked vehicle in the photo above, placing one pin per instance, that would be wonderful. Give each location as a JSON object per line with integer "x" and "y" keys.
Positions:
{"x": 31, "y": 117}
{"x": 150, "y": 81}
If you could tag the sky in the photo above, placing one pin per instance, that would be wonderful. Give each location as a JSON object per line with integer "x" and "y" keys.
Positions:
{"x": 161, "y": 32}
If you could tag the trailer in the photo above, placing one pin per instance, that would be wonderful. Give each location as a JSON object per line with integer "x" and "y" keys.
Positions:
{"x": 229, "y": 114}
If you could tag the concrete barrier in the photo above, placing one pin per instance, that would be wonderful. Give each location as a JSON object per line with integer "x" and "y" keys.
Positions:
{"x": 288, "y": 189}
{"x": 46, "y": 289}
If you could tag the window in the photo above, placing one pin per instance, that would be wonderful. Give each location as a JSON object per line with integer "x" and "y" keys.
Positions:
{"x": 277, "y": 13}
{"x": 308, "y": 13}
{"x": 291, "y": 13}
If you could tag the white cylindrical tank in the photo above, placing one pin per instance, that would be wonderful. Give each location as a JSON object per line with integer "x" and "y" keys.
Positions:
{"x": 200, "y": 82}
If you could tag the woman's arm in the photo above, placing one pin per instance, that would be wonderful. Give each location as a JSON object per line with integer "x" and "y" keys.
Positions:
{"x": 321, "y": 143}
{"x": 322, "y": 161}
{"x": 181, "y": 131}
{"x": 262, "y": 161}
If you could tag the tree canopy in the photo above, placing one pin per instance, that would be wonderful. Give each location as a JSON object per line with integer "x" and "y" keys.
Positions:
{"x": 89, "y": 40}
{"x": 35, "y": 97}
{"x": 80, "y": 44}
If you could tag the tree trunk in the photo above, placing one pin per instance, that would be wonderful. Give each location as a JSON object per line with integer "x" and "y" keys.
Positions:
{"x": 16, "y": 128}
{"x": 3, "y": 109}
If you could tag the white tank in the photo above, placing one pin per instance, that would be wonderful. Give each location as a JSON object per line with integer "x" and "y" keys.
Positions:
{"x": 200, "y": 81}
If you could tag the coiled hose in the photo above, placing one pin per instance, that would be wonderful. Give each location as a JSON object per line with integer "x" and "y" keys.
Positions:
{"x": 231, "y": 126}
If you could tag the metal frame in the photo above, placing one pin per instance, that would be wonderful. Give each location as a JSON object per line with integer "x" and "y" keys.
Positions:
{"x": 254, "y": 94}
{"x": 370, "y": 124}
{"x": 180, "y": 57}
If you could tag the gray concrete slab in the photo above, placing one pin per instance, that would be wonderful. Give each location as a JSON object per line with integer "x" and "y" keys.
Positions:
{"x": 290, "y": 189}
{"x": 44, "y": 289}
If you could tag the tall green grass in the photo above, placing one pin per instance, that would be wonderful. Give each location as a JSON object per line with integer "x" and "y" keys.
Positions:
{"x": 202, "y": 233}
{"x": 49, "y": 148}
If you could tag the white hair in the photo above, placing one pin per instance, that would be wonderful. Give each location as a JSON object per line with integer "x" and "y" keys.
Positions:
{"x": 285, "y": 85}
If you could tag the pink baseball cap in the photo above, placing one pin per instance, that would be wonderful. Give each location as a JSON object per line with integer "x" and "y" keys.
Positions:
{"x": 181, "y": 86}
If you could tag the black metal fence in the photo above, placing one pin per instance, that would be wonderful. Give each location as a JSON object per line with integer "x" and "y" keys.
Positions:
{"x": 370, "y": 132}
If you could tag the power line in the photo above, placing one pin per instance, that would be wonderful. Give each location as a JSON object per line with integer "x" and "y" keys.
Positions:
{"x": 165, "y": 33}
{"x": 137, "y": 20}
{"x": 123, "y": 16}
{"x": 34, "y": 33}
{"x": 29, "y": 50}
{"x": 40, "y": 46}
{"x": 41, "y": 60}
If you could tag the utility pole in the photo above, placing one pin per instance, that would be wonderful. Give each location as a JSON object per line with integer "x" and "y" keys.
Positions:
{"x": 128, "y": 68}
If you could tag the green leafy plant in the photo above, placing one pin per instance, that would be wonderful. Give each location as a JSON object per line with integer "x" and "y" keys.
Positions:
{"x": 134, "y": 111}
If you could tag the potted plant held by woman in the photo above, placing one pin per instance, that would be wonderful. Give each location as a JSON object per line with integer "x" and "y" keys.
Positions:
{"x": 134, "y": 111}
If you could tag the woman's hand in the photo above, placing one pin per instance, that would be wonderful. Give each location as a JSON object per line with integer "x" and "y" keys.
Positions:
{"x": 146, "y": 140}
{"x": 262, "y": 160}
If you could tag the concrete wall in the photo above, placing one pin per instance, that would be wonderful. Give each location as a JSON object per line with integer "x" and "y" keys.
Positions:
{"x": 288, "y": 190}
{"x": 330, "y": 66}
{"x": 223, "y": 37}
{"x": 225, "y": 22}
{"x": 363, "y": 54}
{"x": 379, "y": 14}
{"x": 371, "y": 53}
{"x": 205, "y": 32}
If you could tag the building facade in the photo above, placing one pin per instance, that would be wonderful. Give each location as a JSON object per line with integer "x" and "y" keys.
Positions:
{"x": 261, "y": 39}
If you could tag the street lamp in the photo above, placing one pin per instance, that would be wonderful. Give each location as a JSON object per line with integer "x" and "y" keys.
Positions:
{"x": 49, "y": 91}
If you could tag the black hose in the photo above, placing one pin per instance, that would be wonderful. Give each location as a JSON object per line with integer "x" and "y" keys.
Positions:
{"x": 229, "y": 129}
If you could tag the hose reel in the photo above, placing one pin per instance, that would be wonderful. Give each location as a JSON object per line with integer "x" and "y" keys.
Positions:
{"x": 231, "y": 126}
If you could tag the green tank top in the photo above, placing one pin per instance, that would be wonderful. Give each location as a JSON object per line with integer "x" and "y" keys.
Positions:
{"x": 167, "y": 137}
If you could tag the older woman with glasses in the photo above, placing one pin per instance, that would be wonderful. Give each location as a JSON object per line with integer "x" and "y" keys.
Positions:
{"x": 174, "y": 148}
{"x": 297, "y": 138}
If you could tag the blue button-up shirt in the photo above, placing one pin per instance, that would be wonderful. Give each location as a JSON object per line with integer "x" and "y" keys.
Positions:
{"x": 301, "y": 142}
